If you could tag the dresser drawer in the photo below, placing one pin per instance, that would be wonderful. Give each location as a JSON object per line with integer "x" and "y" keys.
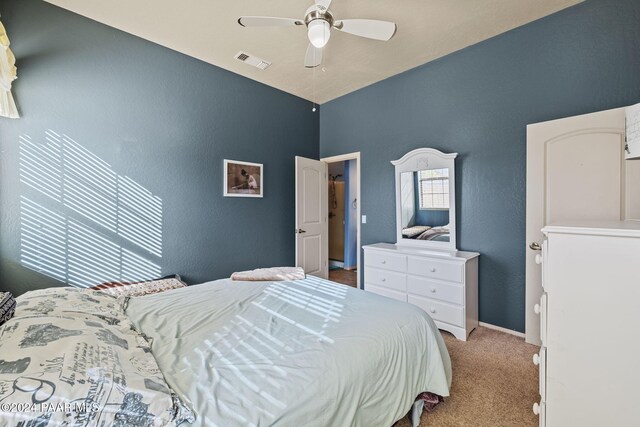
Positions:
{"x": 541, "y": 361}
{"x": 385, "y": 292}
{"x": 436, "y": 269}
{"x": 386, "y": 279}
{"x": 440, "y": 311}
{"x": 448, "y": 292}
{"x": 385, "y": 260}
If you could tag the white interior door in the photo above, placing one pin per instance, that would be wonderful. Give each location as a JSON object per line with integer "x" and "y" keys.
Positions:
{"x": 312, "y": 236}
{"x": 575, "y": 171}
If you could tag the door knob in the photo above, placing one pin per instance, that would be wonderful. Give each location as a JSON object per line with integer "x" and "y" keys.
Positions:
{"x": 536, "y": 408}
{"x": 535, "y": 246}
{"x": 300, "y": 231}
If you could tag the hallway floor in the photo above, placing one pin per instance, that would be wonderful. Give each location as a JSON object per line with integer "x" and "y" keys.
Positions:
{"x": 346, "y": 277}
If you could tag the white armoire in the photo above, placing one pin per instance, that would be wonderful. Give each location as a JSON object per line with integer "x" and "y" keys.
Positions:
{"x": 589, "y": 316}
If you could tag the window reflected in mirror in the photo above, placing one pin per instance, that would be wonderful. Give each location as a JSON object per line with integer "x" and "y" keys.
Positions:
{"x": 425, "y": 205}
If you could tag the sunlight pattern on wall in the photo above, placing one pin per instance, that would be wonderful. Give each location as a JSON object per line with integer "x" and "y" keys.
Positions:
{"x": 92, "y": 256}
{"x": 81, "y": 222}
{"x": 40, "y": 166}
{"x": 139, "y": 216}
{"x": 134, "y": 267}
{"x": 43, "y": 240}
{"x": 89, "y": 185}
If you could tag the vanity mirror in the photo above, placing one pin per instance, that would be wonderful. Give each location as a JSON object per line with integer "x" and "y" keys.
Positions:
{"x": 424, "y": 268}
{"x": 426, "y": 199}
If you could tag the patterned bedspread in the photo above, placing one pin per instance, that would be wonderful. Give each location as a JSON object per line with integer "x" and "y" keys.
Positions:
{"x": 72, "y": 357}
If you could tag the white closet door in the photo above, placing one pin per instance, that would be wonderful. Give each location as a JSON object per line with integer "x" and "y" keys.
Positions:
{"x": 575, "y": 171}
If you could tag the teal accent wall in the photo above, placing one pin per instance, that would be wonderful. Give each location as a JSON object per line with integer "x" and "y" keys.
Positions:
{"x": 116, "y": 167}
{"x": 477, "y": 102}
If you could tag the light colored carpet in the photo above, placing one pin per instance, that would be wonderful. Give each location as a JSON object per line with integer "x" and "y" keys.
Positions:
{"x": 494, "y": 383}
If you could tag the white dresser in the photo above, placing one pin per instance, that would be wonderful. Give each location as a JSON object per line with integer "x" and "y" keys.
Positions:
{"x": 590, "y": 355}
{"x": 442, "y": 283}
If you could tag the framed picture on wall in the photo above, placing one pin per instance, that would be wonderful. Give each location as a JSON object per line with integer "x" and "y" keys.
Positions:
{"x": 242, "y": 179}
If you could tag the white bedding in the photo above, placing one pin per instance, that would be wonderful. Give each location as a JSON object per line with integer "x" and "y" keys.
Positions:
{"x": 301, "y": 353}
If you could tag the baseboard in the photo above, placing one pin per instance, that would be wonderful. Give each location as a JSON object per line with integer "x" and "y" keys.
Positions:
{"x": 501, "y": 329}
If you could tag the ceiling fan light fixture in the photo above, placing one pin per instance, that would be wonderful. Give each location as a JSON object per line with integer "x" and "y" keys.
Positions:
{"x": 320, "y": 22}
{"x": 319, "y": 32}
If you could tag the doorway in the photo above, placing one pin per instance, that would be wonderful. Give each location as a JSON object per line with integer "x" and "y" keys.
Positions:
{"x": 343, "y": 218}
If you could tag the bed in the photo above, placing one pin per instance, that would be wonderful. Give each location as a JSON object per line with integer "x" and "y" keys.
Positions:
{"x": 423, "y": 232}
{"x": 72, "y": 357}
{"x": 227, "y": 353}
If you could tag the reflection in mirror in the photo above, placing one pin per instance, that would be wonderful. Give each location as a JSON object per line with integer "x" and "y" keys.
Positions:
{"x": 425, "y": 204}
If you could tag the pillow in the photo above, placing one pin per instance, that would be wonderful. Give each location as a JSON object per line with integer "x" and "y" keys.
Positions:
{"x": 137, "y": 289}
{"x": 68, "y": 302}
{"x": 7, "y": 306}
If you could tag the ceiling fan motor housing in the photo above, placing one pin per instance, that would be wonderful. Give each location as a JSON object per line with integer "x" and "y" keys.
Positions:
{"x": 318, "y": 12}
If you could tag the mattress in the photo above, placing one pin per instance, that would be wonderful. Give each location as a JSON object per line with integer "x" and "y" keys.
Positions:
{"x": 306, "y": 352}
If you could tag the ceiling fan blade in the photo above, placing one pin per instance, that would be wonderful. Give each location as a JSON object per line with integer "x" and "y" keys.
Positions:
{"x": 268, "y": 21}
{"x": 313, "y": 58}
{"x": 324, "y": 3}
{"x": 369, "y": 28}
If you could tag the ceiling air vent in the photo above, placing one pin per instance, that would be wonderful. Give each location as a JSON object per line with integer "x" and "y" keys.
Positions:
{"x": 247, "y": 58}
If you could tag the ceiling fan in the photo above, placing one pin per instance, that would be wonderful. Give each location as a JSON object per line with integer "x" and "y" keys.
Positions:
{"x": 319, "y": 20}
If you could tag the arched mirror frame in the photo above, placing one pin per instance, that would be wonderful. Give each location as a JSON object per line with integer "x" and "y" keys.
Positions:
{"x": 417, "y": 160}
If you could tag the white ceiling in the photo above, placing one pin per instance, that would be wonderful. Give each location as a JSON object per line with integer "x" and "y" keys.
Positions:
{"x": 208, "y": 30}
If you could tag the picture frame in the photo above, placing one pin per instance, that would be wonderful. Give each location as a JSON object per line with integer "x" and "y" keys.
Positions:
{"x": 243, "y": 179}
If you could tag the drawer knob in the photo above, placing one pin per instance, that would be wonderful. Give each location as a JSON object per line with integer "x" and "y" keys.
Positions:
{"x": 433, "y": 310}
{"x": 383, "y": 262}
{"x": 536, "y": 408}
{"x": 432, "y": 269}
{"x": 536, "y": 309}
{"x": 433, "y": 290}
{"x": 536, "y": 359}
{"x": 384, "y": 279}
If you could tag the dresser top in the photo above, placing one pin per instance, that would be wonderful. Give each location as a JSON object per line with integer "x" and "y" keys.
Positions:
{"x": 424, "y": 252}
{"x": 596, "y": 228}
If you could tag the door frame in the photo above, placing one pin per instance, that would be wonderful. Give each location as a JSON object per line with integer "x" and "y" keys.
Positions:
{"x": 341, "y": 158}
